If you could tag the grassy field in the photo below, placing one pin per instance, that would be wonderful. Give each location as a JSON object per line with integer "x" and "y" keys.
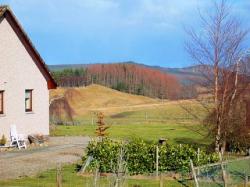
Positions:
{"x": 169, "y": 121}
{"x": 132, "y": 116}
{"x": 174, "y": 133}
{"x": 88, "y": 100}
{"x": 236, "y": 171}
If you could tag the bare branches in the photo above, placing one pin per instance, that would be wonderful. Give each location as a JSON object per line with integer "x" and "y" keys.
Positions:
{"x": 218, "y": 47}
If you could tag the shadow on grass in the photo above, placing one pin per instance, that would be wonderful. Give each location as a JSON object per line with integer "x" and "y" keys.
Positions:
{"x": 184, "y": 183}
{"x": 191, "y": 141}
{"x": 122, "y": 115}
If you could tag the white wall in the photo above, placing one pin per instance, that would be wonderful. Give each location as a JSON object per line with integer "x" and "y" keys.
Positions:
{"x": 17, "y": 73}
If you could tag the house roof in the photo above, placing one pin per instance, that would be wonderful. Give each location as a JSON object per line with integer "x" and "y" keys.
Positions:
{"x": 5, "y": 12}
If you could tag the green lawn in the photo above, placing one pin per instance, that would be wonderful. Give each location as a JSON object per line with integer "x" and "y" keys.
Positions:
{"x": 175, "y": 133}
{"x": 176, "y": 112}
{"x": 236, "y": 171}
{"x": 179, "y": 122}
{"x": 71, "y": 179}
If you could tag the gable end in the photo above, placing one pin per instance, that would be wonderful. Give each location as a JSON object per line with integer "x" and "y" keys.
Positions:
{"x": 5, "y": 12}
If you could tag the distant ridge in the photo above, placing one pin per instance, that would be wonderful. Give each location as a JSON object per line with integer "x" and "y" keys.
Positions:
{"x": 183, "y": 74}
{"x": 65, "y": 66}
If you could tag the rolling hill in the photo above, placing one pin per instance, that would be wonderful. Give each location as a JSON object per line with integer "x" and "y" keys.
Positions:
{"x": 95, "y": 96}
{"x": 85, "y": 100}
{"x": 128, "y": 115}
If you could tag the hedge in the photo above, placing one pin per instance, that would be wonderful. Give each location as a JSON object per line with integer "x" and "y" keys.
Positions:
{"x": 140, "y": 156}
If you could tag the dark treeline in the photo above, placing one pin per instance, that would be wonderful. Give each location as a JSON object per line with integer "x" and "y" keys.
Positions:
{"x": 129, "y": 78}
{"x": 71, "y": 77}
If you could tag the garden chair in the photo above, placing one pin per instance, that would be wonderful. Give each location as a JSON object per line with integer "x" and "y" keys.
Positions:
{"x": 16, "y": 139}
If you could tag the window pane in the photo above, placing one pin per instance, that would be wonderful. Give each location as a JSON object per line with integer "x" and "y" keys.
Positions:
{"x": 27, "y": 94}
{"x": 1, "y": 102}
{"x": 28, "y": 100}
{"x": 27, "y": 103}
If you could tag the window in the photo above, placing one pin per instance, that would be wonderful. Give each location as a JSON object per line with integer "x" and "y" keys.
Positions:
{"x": 28, "y": 100}
{"x": 1, "y": 102}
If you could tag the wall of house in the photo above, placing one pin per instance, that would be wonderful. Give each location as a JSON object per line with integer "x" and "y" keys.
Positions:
{"x": 17, "y": 73}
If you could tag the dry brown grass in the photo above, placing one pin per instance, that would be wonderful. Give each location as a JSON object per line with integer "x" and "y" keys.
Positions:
{"x": 95, "y": 98}
{"x": 120, "y": 108}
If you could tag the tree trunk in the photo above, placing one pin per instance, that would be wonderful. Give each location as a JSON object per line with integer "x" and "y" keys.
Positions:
{"x": 216, "y": 93}
{"x": 217, "y": 139}
{"x": 223, "y": 146}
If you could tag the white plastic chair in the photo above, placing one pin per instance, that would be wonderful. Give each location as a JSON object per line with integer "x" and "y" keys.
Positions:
{"x": 16, "y": 139}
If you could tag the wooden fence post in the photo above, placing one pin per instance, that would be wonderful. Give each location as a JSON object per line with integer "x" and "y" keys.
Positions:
{"x": 194, "y": 174}
{"x": 161, "y": 180}
{"x": 59, "y": 176}
{"x": 96, "y": 175}
{"x": 157, "y": 160}
{"x": 246, "y": 179}
{"x": 224, "y": 174}
{"x": 198, "y": 158}
{"x": 86, "y": 164}
{"x": 92, "y": 120}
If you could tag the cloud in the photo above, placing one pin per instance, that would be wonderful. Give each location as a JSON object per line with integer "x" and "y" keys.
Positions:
{"x": 108, "y": 18}
{"x": 122, "y": 13}
{"x": 138, "y": 13}
{"x": 99, "y": 29}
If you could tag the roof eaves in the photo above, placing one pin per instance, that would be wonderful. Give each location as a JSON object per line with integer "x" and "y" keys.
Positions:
{"x": 3, "y": 9}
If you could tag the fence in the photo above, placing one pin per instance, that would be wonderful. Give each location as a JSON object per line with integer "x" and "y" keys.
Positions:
{"x": 67, "y": 176}
{"x": 140, "y": 114}
{"x": 226, "y": 173}
{"x": 124, "y": 120}
{"x": 237, "y": 173}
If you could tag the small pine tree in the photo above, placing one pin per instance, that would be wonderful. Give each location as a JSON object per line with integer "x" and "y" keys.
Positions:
{"x": 101, "y": 126}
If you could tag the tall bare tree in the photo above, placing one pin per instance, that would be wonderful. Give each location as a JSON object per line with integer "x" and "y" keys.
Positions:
{"x": 218, "y": 48}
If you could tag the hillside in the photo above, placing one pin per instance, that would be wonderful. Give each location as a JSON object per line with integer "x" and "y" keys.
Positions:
{"x": 129, "y": 115}
{"x": 82, "y": 104}
{"x": 125, "y": 77}
{"x": 84, "y": 100}
{"x": 94, "y": 96}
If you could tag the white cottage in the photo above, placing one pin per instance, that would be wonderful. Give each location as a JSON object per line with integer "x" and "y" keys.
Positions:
{"x": 24, "y": 80}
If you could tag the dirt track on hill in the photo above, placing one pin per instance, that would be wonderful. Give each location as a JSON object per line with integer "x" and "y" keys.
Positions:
{"x": 63, "y": 150}
{"x": 140, "y": 105}
{"x": 129, "y": 106}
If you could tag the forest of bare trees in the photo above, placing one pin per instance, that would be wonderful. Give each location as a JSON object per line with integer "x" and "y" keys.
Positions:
{"x": 124, "y": 77}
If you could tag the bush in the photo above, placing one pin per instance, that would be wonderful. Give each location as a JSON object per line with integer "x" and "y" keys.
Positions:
{"x": 105, "y": 152}
{"x": 141, "y": 156}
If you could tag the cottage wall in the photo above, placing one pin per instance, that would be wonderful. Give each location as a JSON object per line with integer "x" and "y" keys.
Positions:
{"x": 18, "y": 72}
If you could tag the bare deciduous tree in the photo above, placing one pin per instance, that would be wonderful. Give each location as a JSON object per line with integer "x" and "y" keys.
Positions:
{"x": 218, "y": 49}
